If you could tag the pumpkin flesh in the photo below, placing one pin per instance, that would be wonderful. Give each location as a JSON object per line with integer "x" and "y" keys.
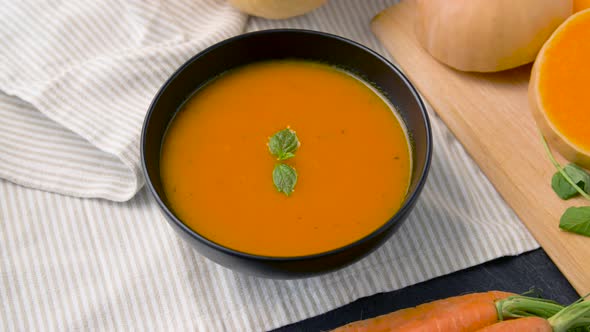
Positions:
{"x": 559, "y": 94}
{"x": 580, "y": 5}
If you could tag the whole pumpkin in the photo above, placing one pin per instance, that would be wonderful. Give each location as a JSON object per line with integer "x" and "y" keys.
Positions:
{"x": 487, "y": 35}
{"x": 276, "y": 9}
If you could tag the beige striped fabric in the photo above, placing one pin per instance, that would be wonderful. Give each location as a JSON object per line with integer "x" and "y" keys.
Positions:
{"x": 77, "y": 78}
{"x": 91, "y": 68}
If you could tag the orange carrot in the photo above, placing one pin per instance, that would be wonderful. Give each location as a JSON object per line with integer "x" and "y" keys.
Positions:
{"x": 475, "y": 312}
{"x": 460, "y": 313}
{"x": 527, "y": 324}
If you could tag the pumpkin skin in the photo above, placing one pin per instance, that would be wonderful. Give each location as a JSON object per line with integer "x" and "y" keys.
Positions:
{"x": 579, "y": 81}
{"x": 276, "y": 9}
{"x": 487, "y": 35}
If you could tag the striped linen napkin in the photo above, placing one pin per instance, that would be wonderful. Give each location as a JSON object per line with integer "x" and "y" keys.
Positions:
{"x": 87, "y": 71}
{"x": 77, "y": 78}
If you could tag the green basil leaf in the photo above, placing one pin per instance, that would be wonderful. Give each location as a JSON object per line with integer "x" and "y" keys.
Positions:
{"x": 576, "y": 220}
{"x": 283, "y": 144}
{"x": 286, "y": 156}
{"x": 563, "y": 188}
{"x": 285, "y": 178}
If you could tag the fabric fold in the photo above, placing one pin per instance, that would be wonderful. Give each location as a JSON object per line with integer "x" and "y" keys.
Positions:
{"x": 93, "y": 68}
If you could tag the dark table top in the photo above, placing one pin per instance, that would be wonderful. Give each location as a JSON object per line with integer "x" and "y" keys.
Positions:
{"x": 514, "y": 274}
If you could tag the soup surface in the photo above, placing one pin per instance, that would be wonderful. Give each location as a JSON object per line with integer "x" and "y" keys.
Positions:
{"x": 353, "y": 164}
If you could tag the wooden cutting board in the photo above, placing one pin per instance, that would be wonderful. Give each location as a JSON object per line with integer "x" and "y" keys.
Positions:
{"x": 489, "y": 114}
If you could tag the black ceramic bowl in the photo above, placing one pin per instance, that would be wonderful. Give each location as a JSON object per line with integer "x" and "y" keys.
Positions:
{"x": 281, "y": 44}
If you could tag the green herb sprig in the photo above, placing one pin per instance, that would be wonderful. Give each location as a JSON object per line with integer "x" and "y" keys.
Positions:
{"x": 563, "y": 188}
{"x": 283, "y": 146}
{"x": 568, "y": 182}
{"x": 285, "y": 178}
{"x": 576, "y": 220}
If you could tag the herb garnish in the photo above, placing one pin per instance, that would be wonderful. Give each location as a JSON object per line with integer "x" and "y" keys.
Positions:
{"x": 285, "y": 178}
{"x": 563, "y": 188}
{"x": 577, "y": 181}
{"x": 562, "y": 172}
{"x": 283, "y": 145}
{"x": 576, "y": 220}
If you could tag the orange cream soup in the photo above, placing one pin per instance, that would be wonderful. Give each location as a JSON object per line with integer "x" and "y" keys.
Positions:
{"x": 353, "y": 163}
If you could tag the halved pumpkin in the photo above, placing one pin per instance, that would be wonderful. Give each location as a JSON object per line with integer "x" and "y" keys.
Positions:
{"x": 559, "y": 90}
{"x": 581, "y": 5}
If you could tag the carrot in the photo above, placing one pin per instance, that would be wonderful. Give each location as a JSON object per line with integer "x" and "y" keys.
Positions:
{"x": 526, "y": 324}
{"x": 460, "y": 313}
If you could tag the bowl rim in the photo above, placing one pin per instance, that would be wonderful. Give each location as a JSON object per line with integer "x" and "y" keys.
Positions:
{"x": 404, "y": 209}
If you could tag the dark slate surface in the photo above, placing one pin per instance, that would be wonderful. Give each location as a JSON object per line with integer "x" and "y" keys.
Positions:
{"x": 515, "y": 274}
